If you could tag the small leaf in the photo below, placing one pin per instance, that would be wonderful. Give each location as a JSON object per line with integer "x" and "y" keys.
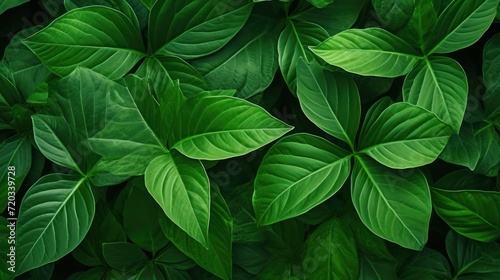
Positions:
{"x": 181, "y": 187}
{"x": 124, "y": 256}
{"x": 220, "y": 127}
{"x": 393, "y": 205}
{"x": 55, "y": 215}
{"x": 472, "y": 213}
{"x": 299, "y": 172}
{"x": 102, "y": 34}
{"x": 368, "y": 52}
{"x": 394, "y": 14}
{"x": 329, "y": 100}
{"x": 9, "y": 4}
{"x": 461, "y": 24}
{"x": 428, "y": 264}
{"x": 438, "y": 84}
{"x": 320, "y": 3}
{"x": 404, "y": 136}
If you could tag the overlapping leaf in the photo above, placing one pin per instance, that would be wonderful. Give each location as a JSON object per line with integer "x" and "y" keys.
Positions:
{"x": 54, "y": 217}
{"x": 404, "y": 136}
{"x": 438, "y": 84}
{"x": 395, "y": 205}
{"x": 393, "y": 13}
{"x": 368, "y": 52}
{"x": 299, "y": 172}
{"x": 220, "y": 127}
{"x": 89, "y": 37}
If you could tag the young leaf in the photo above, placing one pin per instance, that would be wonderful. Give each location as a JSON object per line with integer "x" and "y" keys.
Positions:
{"x": 438, "y": 84}
{"x": 394, "y": 14}
{"x": 55, "y": 215}
{"x": 181, "y": 187}
{"x": 329, "y": 100}
{"x": 461, "y": 24}
{"x": 191, "y": 29}
{"x": 333, "y": 249}
{"x": 102, "y": 34}
{"x": 472, "y": 213}
{"x": 217, "y": 259}
{"x": 142, "y": 217}
{"x": 292, "y": 45}
{"x": 404, "y": 136}
{"x": 368, "y": 52}
{"x": 298, "y": 173}
{"x": 255, "y": 46}
{"x": 393, "y": 205}
{"x": 220, "y": 127}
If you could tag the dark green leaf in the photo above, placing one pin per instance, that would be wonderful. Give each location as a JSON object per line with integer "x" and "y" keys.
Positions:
{"x": 428, "y": 264}
{"x": 394, "y": 14}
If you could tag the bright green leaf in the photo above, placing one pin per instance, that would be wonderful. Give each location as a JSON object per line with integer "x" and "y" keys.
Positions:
{"x": 395, "y": 205}
{"x": 298, "y": 173}
{"x": 89, "y": 37}
{"x": 329, "y": 100}
{"x": 404, "y": 136}
{"x": 181, "y": 187}
{"x": 368, "y": 52}
{"x": 55, "y": 215}
{"x": 438, "y": 84}
{"x": 220, "y": 127}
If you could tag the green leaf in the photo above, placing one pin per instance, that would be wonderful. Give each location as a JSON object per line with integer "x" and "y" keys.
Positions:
{"x": 217, "y": 259}
{"x": 124, "y": 256}
{"x": 8, "y": 92}
{"x": 255, "y": 46}
{"x": 174, "y": 258}
{"x": 298, "y": 173}
{"x": 438, "y": 84}
{"x": 462, "y": 148}
{"x": 194, "y": 29}
{"x": 120, "y": 5}
{"x": 419, "y": 29}
{"x": 393, "y": 205}
{"x": 334, "y": 18}
{"x": 142, "y": 217}
{"x": 9, "y": 4}
{"x": 103, "y": 34}
{"x": 181, "y": 187}
{"x": 489, "y": 142}
{"x": 428, "y": 264}
{"x": 465, "y": 179}
{"x": 330, "y": 100}
{"x": 320, "y": 3}
{"x": 491, "y": 58}
{"x": 472, "y": 213}
{"x": 471, "y": 257}
{"x": 293, "y": 44}
{"x": 404, "y": 136}
{"x": 394, "y": 14}
{"x": 55, "y": 215}
{"x": 368, "y": 52}
{"x": 220, "y": 127}
{"x": 461, "y": 24}
{"x": 55, "y": 139}
{"x": 333, "y": 250}
{"x": 16, "y": 152}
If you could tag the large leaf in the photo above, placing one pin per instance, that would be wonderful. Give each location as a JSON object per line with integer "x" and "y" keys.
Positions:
{"x": 181, "y": 187}
{"x": 55, "y": 215}
{"x": 368, "y": 52}
{"x": 395, "y": 205}
{"x": 219, "y": 127}
{"x": 142, "y": 217}
{"x": 14, "y": 152}
{"x": 472, "y": 213}
{"x": 191, "y": 29}
{"x": 329, "y": 100}
{"x": 461, "y": 24}
{"x": 217, "y": 259}
{"x": 473, "y": 258}
{"x": 332, "y": 248}
{"x": 404, "y": 136}
{"x": 255, "y": 46}
{"x": 438, "y": 84}
{"x": 89, "y": 37}
{"x": 394, "y": 14}
{"x": 298, "y": 173}
{"x": 293, "y": 44}
{"x": 8, "y": 4}
{"x": 120, "y": 5}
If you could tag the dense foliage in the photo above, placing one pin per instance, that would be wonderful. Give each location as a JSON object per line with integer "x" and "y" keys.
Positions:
{"x": 238, "y": 139}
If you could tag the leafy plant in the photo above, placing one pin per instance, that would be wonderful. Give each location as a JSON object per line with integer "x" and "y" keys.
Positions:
{"x": 251, "y": 140}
